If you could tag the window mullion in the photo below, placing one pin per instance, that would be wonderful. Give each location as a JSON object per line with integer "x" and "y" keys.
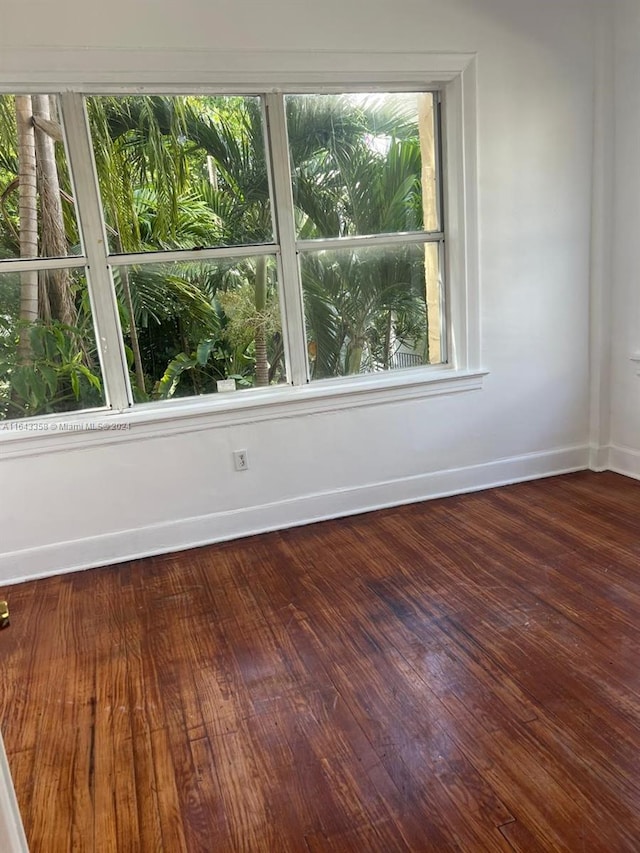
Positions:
{"x": 358, "y": 242}
{"x": 101, "y": 292}
{"x": 69, "y": 262}
{"x": 185, "y": 255}
{"x": 293, "y": 309}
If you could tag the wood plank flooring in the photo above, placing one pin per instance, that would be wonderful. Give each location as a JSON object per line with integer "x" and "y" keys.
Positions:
{"x": 462, "y": 674}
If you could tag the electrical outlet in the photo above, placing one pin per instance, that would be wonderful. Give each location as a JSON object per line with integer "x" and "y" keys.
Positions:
{"x": 241, "y": 460}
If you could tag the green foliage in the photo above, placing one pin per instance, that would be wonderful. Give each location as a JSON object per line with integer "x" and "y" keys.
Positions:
{"x": 244, "y": 318}
{"x": 351, "y": 297}
{"x": 56, "y": 379}
{"x": 9, "y": 234}
{"x": 185, "y": 172}
{"x": 356, "y": 170}
{"x": 166, "y": 387}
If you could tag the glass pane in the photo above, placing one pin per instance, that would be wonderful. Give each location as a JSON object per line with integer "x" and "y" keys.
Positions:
{"x": 48, "y": 357}
{"x": 191, "y": 326}
{"x": 372, "y": 309}
{"x": 181, "y": 172}
{"x": 362, "y": 163}
{"x": 37, "y": 209}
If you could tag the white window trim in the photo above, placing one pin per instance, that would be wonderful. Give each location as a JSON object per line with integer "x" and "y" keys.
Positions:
{"x": 453, "y": 74}
{"x": 50, "y": 433}
{"x": 109, "y": 339}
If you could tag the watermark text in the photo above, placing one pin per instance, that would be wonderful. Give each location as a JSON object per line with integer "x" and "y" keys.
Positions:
{"x": 62, "y": 426}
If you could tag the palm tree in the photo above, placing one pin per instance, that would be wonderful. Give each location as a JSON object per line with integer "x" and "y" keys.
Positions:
{"x": 51, "y": 365}
{"x": 184, "y": 172}
{"x": 190, "y": 172}
{"x": 56, "y": 297}
{"x": 360, "y": 304}
{"x": 28, "y": 217}
{"x": 212, "y": 149}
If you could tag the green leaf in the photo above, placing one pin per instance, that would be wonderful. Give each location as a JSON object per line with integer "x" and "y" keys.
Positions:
{"x": 204, "y": 351}
{"x": 167, "y": 385}
{"x": 75, "y": 385}
{"x": 36, "y": 339}
{"x": 38, "y": 390}
{"x": 61, "y": 342}
{"x": 50, "y": 376}
{"x": 20, "y": 384}
{"x": 91, "y": 378}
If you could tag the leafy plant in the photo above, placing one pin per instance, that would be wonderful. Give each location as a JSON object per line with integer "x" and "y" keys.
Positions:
{"x": 55, "y": 379}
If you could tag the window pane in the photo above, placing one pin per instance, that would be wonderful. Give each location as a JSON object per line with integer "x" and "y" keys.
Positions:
{"x": 366, "y": 309}
{"x": 37, "y": 211}
{"x": 190, "y": 325}
{"x": 48, "y": 357}
{"x": 181, "y": 172}
{"x": 363, "y": 163}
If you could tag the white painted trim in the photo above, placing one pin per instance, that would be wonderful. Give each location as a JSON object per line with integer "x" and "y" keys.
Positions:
{"x": 70, "y": 262}
{"x": 36, "y": 436}
{"x": 461, "y": 225}
{"x": 624, "y": 460}
{"x": 12, "y": 837}
{"x": 598, "y": 458}
{"x": 401, "y": 238}
{"x": 455, "y": 72}
{"x": 153, "y": 70}
{"x": 181, "y": 256}
{"x": 290, "y": 285}
{"x": 104, "y": 305}
{"x": 178, "y": 534}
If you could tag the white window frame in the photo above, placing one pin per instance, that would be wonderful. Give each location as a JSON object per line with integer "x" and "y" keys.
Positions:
{"x": 270, "y": 75}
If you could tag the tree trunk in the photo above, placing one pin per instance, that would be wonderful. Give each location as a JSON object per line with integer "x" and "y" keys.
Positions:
{"x": 426, "y": 130}
{"x": 58, "y": 294}
{"x": 354, "y": 356}
{"x": 387, "y": 341}
{"x": 262, "y": 363}
{"x": 28, "y": 215}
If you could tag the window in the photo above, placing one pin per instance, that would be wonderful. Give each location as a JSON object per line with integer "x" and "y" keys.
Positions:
{"x": 187, "y": 174}
{"x": 48, "y": 356}
{"x": 366, "y": 191}
{"x": 157, "y": 247}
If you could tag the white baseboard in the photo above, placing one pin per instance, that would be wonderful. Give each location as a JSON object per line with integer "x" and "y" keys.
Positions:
{"x": 598, "y": 458}
{"x": 624, "y": 460}
{"x": 176, "y": 535}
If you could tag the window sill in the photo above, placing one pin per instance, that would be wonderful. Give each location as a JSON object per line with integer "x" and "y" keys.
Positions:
{"x": 101, "y": 427}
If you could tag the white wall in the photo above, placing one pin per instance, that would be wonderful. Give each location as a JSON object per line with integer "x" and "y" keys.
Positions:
{"x": 535, "y": 102}
{"x": 625, "y": 382}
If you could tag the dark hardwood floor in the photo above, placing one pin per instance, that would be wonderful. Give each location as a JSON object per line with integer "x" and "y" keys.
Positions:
{"x": 462, "y": 674}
